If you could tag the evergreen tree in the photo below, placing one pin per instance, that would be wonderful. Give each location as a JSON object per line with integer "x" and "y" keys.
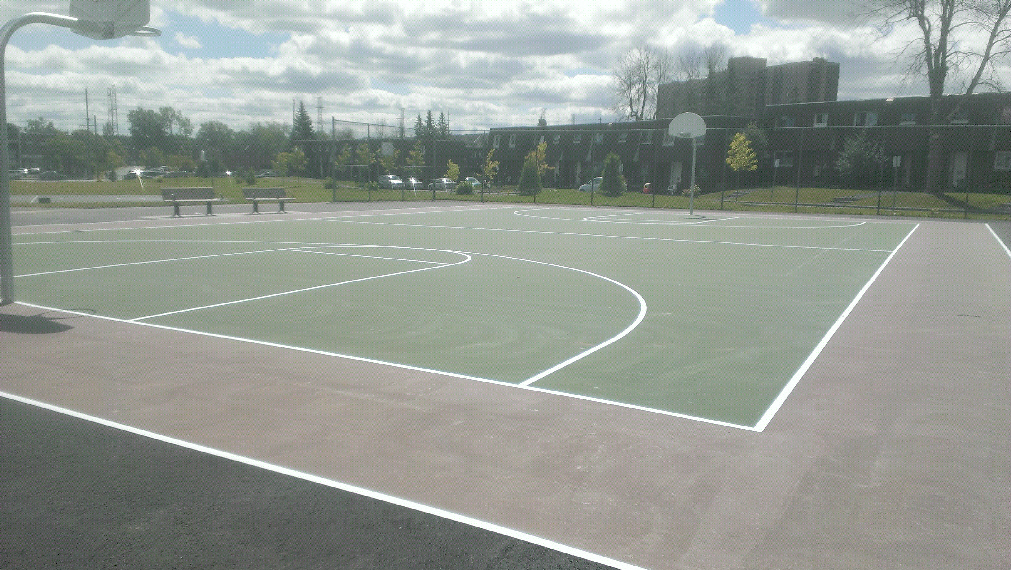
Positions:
{"x": 430, "y": 126}
{"x": 612, "y": 181}
{"x": 302, "y": 130}
{"x": 443, "y": 127}
{"x": 419, "y": 128}
{"x": 530, "y": 182}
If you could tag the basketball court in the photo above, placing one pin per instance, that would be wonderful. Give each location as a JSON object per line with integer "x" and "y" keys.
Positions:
{"x": 627, "y": 388}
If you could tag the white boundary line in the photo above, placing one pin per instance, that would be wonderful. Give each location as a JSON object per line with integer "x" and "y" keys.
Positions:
{"x": 674, "y": 222}
{"x": 998, "y": 239}
{"x": 466, "y": 259}
{"x": 782, "y": 397}
{"x": 607, "y": 236}
{"x": 401, "y": 366}
{"x": 759, "y": 427}
{"x": 360, "y": 491}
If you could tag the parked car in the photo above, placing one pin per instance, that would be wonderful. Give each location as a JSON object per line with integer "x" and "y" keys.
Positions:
{"x": 390, "y": 181}
{"x": 413, "y": 183}
{"x": 50, "y": 175}
{"x": 474, "y": 182}
{"x": 441, "y": 184}
{"x": 593, "y": 185}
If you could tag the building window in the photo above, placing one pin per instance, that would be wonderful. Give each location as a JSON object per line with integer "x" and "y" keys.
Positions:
{"x": 786, "y": 122}
{"x": 868, "y": 119}
{"x": 821, "y": 120}
{"x": 577, "y": 138}
{"x": 622, "y": 138}
{"x": 647, "y": 137}
{"x": 495, "y": 141}
{"x": 908, "y": 119}
{"x": 1003, "y": 160}
{"x": 513, "y": 140}
{"x": 783, "y": 159}
{"x": 959, "y": 118}
{"x": 556, "y": 139}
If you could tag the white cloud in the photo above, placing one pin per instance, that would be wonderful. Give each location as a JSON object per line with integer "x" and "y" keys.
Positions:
{"x": 189, "y": 42}
{"x": 483, "y": 62}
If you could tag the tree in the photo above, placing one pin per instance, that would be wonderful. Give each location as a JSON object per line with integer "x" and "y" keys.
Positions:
{"x": 172, "y": 117}
{"x": 952, "y": 35}
{"x": 612, "y": 181}
{"x": 530, "y": 182}
{"x": 416, "y": 156}
{"x": 217, "y": 140}
{"x": 302, "y": 130}
{"x": 861, "y": 160}
{"x": 740, "y": 156}
{"x": 636, "y": 78}
{"x": 147, "y": 130}
{"x": 540, "y": 153}
{"x": 364, "y": 156}
{"x": 419, "y": 128}
{"x": 452, "y": 170}
{"x": 443, "y": 126}
{"x": 288, "y": 163}
{"x": 490, "y": 168}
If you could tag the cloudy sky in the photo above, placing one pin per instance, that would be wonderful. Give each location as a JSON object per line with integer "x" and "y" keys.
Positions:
{"x": 484, "y": 63}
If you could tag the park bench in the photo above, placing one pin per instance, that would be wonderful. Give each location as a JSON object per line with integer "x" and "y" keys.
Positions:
{"x": 179, "y": 196}
{"x": 257, "y": 195}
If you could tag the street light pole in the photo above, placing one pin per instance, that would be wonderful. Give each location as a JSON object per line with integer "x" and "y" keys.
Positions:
{"x": 99, "y": 30}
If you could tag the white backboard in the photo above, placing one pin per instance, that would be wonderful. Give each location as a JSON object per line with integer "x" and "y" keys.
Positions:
{"x": 687, "y": 126}
{"x": 108, "y": 19}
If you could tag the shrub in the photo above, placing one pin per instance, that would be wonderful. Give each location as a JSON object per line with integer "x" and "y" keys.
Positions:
{"x": 530, "y": 182}
{"x": 464, "y": 187}
{"x": 612, "y": 183}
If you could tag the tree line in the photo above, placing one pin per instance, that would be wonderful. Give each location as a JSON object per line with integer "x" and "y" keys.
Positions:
{"x": 165, "y": 137}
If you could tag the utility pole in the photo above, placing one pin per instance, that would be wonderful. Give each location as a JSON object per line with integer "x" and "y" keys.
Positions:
{"x": 113, "y": 111}
{"x": 87, "y": 113}
{"x": 319, "y": 114}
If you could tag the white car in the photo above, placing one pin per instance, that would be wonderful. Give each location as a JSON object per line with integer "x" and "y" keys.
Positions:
{"x": 593, "y": 185}
{"x": 442, "y": 184}
{"x": 390, "y": 181}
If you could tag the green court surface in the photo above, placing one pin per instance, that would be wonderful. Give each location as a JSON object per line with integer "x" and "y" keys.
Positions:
{"x": 706, "y": 317}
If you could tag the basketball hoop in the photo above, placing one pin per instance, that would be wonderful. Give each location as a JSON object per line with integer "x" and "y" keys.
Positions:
{"x": 689, "y": 126}
{"x": 111, "y": 19}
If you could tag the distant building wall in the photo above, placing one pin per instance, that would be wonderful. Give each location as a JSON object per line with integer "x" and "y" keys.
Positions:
{"x": 748, "y": 85}
{"x": 804, "y": 142}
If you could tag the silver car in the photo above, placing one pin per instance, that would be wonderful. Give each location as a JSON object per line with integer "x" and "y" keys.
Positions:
{"x": 390, "y": 181}
{"x": 593, "y": 185}
{"x": 442, "y": 184}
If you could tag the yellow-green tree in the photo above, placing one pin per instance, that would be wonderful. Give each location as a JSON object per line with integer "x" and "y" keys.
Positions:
{"x": 452, "y": 170}
{"x": 491, "y": 167}
{"x": 540, "y": 154}
{"x": 740, "y": 156}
